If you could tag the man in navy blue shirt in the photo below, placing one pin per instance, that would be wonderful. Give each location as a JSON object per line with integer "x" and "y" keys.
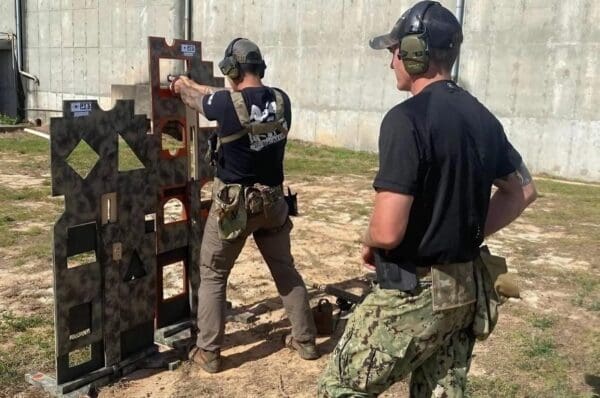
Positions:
{"x": 253, "y": 122}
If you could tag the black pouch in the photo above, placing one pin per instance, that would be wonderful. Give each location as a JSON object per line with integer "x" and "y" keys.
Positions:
{"x": 390, "y": 275}
{"x": 292, "y": 202}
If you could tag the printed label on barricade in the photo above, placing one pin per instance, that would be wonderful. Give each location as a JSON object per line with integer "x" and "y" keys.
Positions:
{"x": 189, "y": 50}
{"x": 79, "y": 109}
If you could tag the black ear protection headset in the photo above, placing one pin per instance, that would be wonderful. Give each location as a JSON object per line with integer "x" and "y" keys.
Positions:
{"x": 414, "y": 47}
{"x": 230, "y": 66}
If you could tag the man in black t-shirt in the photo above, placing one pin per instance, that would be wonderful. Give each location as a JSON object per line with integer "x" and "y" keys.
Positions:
{"x": 440, "y": 152}
{"x": 253, "y": 122}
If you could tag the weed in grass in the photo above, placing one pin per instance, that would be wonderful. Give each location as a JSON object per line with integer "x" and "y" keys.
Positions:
{"x": 542, "y": 322}
{"x": 12, "y": 323}
{"x": 587, "y": 294}
{"x": 5, "y": 119}
{"x": 540, "y": 346}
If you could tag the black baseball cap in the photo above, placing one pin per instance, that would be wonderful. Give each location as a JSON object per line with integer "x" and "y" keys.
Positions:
{"x": 440, "y": 26}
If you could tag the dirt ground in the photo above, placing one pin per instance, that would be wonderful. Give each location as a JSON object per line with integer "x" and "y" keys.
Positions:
{"x": 546, "y": 344}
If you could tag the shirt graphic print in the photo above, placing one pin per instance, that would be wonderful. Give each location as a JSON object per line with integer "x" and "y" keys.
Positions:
{"x": 265, "y": 115}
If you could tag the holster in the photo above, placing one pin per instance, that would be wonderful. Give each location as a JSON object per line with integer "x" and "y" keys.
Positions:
{"x": 292, "y": 202}
{"x": 392, "y": 275}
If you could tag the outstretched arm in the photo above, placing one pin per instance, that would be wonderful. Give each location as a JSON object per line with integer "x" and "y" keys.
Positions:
{"x": 192, "y": 93}
{"x": 515, "y": 192}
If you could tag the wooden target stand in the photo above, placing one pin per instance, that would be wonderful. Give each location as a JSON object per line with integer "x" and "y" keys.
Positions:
{"x": 110, "y": 310}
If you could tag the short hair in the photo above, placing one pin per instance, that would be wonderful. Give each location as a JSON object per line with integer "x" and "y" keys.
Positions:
{"x": 255, "y": 69}
{"x": 444, "y": 58}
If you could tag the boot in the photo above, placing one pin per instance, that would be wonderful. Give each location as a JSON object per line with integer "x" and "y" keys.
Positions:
{"x": 307, "y": 350}
{"x": 209, "y": 361}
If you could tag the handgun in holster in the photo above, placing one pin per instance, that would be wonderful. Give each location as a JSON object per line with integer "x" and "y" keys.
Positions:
{"x": 397, "y": 275}
{"x": 210, "y": 156}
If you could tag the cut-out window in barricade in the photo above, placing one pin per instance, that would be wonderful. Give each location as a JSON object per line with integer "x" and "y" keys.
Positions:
{"x": 82, "y": 159}
{"x": 127, "y": 160}
{"x": 136, "y": 269}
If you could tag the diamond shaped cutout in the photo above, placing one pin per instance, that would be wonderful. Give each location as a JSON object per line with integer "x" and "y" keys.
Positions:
{"x": 128, "y": 160}
{"x": 82, "y": 159}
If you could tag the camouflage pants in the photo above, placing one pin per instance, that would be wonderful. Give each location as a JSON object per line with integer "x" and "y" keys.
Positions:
{"x": 392, "y": 334}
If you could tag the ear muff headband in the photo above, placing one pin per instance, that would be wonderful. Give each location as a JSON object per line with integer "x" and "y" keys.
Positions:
{"x": 229, "y": 65}
{"x": 414, "y": 48}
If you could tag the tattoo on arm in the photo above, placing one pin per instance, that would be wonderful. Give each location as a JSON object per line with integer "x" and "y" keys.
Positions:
{"x": 523, "y": 174}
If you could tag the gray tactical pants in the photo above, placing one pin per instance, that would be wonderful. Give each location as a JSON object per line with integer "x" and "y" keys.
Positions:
{"x": 271, "y": 231}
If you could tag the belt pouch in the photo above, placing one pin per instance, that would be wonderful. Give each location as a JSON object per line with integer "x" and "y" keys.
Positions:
{"x": 231, "y": 211}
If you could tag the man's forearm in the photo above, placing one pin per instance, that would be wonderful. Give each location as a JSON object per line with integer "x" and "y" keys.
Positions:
{"x": 504, "y": 208}
{"x": 515, "y": 192}
{"x": 367, "y": 240}
{"x": 192, "y": 95}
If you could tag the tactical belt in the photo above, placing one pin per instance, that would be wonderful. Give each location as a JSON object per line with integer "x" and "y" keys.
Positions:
{"x": 257, "y": 197}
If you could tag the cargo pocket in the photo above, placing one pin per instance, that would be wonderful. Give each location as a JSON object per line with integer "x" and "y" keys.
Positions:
{"x": 372, "y": 362}
{"x": 389, "y": 358}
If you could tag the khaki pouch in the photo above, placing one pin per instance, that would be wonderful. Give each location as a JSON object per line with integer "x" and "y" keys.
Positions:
{"x": 505, "y": 284}
{"x": 231, "y": 211}
{"x": 494, "y": 285}
{"x": 452, "y": 285}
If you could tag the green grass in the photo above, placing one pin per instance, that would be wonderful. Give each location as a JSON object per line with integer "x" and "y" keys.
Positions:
{"x": 587, "y": 295}
{"x": 24, "y": 144}
{"x": 540, "y": 346}
{"x": 28, "y": 345}
{"x": 484, "y": 387}
{"x": 542, "y": 322}
{"x": 540, "y": 361}
{"x": 304, "y": 159}
{"x": 10, "y": 323}
{"x": 5, "y": 119}
{"x": 569, "y": 208}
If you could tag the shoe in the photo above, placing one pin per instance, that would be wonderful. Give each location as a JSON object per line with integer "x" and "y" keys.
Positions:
{"x": 209, "y": 361}
{"x": 306, "y": 350}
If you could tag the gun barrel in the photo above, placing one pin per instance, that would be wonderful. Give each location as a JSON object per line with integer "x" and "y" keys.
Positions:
{"x": 337, "y": 292}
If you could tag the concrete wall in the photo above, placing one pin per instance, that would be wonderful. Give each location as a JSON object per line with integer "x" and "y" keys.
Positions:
{"x": 7, "y": 16}
{"x": 533, "y": 62}
{"x": 79, "y": 48}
